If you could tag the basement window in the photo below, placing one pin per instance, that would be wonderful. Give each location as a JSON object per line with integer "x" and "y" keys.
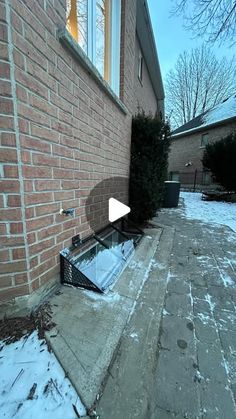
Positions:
{"x": 96, "y": 262}
{"x": 95, "y": 26}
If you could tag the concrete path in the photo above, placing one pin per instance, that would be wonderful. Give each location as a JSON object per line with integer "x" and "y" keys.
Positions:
{"x": 189, "y": 371}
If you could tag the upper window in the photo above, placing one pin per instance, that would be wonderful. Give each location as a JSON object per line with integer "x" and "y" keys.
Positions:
{"x": 95, "y": 25}
{"x": 204, "y": 140}
{"x": 140, "y": 67}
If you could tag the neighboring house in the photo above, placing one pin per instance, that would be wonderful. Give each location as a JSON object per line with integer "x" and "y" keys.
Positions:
{"x": 188, "y": 142}
{"x": 72, "y": 74}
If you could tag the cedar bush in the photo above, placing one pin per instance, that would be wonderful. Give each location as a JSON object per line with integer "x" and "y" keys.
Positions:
{"x": 150, "y": 144}
{"x": 220, "y": 158}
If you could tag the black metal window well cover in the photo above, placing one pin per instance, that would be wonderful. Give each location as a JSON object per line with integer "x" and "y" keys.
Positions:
{"x": 95, "y": 262}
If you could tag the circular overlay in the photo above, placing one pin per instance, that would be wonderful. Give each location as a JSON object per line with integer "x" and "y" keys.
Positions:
{"x": 97, "y": 203}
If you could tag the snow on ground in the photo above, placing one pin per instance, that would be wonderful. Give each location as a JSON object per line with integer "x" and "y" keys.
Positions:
{"x": 209, "y": 211}
{"x": 33, "y": 384}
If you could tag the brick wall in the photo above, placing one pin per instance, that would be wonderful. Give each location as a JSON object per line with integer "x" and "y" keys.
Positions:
{"x": 144, "y": 96}
{"x": 61, "y": 136}
{"x": 188, "y": 148}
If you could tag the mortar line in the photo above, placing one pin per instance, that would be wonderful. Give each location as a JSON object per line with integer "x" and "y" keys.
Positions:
{"x": 17, "y": 134}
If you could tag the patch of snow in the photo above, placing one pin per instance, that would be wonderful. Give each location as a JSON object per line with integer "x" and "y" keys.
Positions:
{"x": 159, "y": 265}
{"x": 134, "y": 336}
{"x": 212, "y": 305}
{"x": 108, "y": 297}
{"x": 204, "y": 318}
{"x": 33, "y": 384}
{"x": 209, "y": 211}
{"x": 165, "y": 312}
{"x": 227, "y": 280}
{"x": 221, "y": 112}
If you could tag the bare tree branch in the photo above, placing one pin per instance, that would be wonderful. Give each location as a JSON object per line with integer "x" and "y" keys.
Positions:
{"x": 198, "y": 82}
{"x": 214, "y": 18}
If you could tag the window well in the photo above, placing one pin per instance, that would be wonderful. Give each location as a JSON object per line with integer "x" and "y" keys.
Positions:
{"x": 95, "y": 262}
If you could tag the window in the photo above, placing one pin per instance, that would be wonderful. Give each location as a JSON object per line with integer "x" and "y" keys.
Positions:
{"x": 95, "y": 25}
{"x": 204, "y": 140}
{"x": 140, "y": 67}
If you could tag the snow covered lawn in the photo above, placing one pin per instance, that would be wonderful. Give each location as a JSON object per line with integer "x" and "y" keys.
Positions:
{"x": 209, "y": 211}
{"x": 33, "y": 384}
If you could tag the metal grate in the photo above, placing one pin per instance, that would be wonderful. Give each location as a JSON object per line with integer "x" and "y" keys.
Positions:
{"x": 95, "y": 262}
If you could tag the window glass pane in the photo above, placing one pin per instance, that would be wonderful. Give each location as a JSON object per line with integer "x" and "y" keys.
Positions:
{"x": 99, "y": 264}
{"x": 119, "y": 244}
{"x": 103, "y": 37}
{"x": 77, "y": 21}
{"x": 204, "y": 141}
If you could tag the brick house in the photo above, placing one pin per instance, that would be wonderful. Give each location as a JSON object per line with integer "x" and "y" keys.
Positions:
{"x": 188, "y": 142}
{"x": 72, "y": 74}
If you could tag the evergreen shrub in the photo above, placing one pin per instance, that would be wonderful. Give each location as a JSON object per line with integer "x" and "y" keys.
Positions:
{"x": 220, "y": 159}
{"x": 150, "y": 144}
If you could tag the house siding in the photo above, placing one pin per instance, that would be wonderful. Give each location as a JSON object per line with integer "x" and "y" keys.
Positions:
{"x": 61, "y": 135}
{"x": 188, "y": 148}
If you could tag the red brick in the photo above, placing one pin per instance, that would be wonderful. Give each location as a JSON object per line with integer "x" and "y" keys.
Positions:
{"x": 5, "y": 88}
{"x": 4, "y": 70}
{"x": 60, "y": 150}
{"x": 10, "y": 214}
{"x": 44, "y": 133}
{"x": 48, "y": 254}
{"x": 21, "y": 94}
{"x": 38, "y": 198}
{"x": 3, "y": 32}
{"x": 7, "y": 122}
{"x": 3, "y": 229}
{"x": 29, "y": 213}
{"x": 13, "y": 267}
{"x": 47, "y": 209}
{"x": 28, "y": 185}
{"x": 9, "y": 186}
{"x": 32, "y": 115}
{"x": 23, "y": 125}
{"x": 31, "y": 83}
{"x": 16, "y": 228}
{"x": 40, "y": 159}
{"x": 63, "y": 174}
{"x": 39, "y": 223}
{"x": 8, "y": 155}
{"x": 31, "y": 238}
{"x": 2, "y": 13}
{"x": 36, "y": 272}
{"x": 11, "y": 171}
{"x": 37, "y": 172}
{"x": 14, "y": 201}
{"x": 5, "y": 281}
{"x": 70, "y": 184}
{"x": 43, "y": 105}
{"x": 36, "y": 248}
{"x": 18, "y": 59}
{"x": 49, "y": 231}
{"x": 49, "y": 185}
{"x": 12, "y": 241}
{"x": 8, "y": 139}
{"x": 63, "y": 195}
{"x": 4, "y": 255}
{"x": 41, "y": 75}
{"x": 11, "y": 293}
{"x": 26, "y": 157}
{"x": 34, "y": 261}
{"x": 34, "y": 144}
{"x": 6, "y": 106}
{"x": 65, "y": 235}
{"x": 18, "y": 253}
{"x": 21, "y": 279}
{"x": 4, "y": 51}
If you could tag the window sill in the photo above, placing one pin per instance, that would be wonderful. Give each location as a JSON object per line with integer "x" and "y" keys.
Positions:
{"x": 67, "y": 40}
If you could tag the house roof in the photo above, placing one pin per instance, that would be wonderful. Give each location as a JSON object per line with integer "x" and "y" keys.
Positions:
{"x": 217, "y": 115}
{"x": 148, "y": 45}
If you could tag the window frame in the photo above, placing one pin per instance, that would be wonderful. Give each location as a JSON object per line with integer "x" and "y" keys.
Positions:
{"x": 113, "y": 64}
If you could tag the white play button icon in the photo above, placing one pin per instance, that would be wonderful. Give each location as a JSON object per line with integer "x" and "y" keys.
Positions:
{"x": 117, "y": 210}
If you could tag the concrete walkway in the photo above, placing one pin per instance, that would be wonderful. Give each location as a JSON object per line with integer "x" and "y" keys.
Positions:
{"x": 166, "y": 347}
{"x": 193, "y": 371}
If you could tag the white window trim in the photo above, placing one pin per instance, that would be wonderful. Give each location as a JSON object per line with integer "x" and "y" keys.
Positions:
{"x": 114, "y": 76}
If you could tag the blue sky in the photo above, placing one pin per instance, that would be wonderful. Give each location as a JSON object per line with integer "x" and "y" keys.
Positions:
{"x": 172, "y": 38}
